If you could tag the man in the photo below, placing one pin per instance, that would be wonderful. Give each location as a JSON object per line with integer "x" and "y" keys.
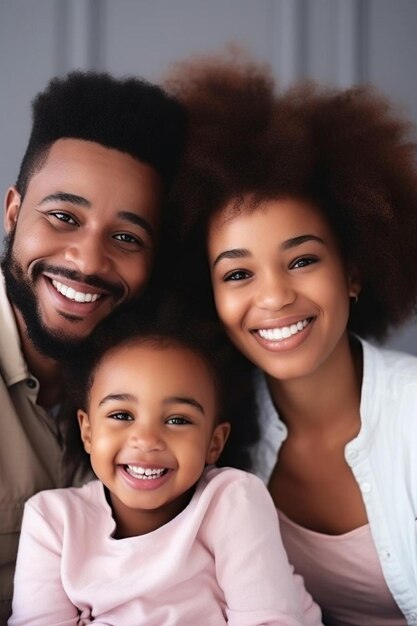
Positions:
{"x": 82, "y": 227}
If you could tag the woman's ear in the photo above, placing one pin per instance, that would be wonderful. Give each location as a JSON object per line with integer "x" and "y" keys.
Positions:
{"x": 354, "y": 282}
{"x": 217, "y": 443}
{"x": 85, "y": 429}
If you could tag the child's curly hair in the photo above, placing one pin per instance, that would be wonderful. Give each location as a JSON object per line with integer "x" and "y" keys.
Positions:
{"x": 350, "y": 152}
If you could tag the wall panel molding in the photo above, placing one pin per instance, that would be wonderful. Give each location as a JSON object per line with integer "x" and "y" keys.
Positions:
{"x": 289, "y": 40}
{"x": 352, "y": 42}
{"x": 79, "y": 35}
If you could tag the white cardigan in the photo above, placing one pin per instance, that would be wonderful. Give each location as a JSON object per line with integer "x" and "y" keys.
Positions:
{"x": 383, "y": 459}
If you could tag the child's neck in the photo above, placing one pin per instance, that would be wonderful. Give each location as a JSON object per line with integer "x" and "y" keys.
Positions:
{"x": 136, "y": 522}
{"x": 326, "y": 402}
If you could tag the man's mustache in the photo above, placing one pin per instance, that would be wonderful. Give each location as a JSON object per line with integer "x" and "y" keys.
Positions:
{"x": 116, "y": 290}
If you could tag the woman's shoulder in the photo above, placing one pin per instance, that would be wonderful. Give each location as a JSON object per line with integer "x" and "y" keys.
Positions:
{"x": 389, "y": 392}
{"x": 397, "y": 369}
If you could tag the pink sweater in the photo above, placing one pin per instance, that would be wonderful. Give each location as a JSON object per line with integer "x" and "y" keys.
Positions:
{"x": 221, "y": 560}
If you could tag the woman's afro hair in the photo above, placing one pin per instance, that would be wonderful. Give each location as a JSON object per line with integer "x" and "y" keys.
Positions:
{"x": 347, "y": 151}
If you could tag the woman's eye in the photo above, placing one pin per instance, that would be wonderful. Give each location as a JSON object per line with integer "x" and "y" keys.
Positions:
{"x": 237, "y": 275}
{"x": 178, "y": 420}
{"x": 64, "y": 217}
{"x": 121, "y": 416}
{"x": 303, "y": 262}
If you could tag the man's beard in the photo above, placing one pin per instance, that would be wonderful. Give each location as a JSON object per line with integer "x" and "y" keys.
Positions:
{"x": 20, "y": 290}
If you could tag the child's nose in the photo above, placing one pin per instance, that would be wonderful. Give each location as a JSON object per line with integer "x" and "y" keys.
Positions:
{"x": 146, "y": 438}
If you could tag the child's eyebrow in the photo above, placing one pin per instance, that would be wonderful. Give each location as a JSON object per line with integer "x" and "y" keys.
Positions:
{"x": 185, "y": 400}
{"x": 128, "y": 397}
{"x": 124, "y": 397}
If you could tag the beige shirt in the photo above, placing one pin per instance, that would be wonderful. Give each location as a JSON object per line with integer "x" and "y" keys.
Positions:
{"x": 31, "y": 454}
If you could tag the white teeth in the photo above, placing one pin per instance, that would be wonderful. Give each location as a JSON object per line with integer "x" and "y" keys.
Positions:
{"x": 71, "y": 294}
{"x": 146, "y": 473}
{"x": 277, "y": 334}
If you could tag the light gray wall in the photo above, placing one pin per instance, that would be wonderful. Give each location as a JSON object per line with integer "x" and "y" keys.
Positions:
{"x": 339, "y": 42}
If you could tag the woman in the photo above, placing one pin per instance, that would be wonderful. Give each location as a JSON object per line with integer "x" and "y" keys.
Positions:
{"x": 301, "y": 209}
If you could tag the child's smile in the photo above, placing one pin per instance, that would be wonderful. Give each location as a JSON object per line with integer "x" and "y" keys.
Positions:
{"x": 150, "y": 430}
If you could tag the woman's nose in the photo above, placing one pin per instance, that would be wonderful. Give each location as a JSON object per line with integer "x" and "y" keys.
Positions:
{"x": 274, "y": 291}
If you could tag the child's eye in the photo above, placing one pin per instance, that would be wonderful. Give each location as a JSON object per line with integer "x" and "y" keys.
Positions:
{"x": 64, "y": 217}
{"x": 121, "y": 416}
{"x": 237, "y": 275}
{"x": 178, "y": 420}
{"x": 303, "y": 262}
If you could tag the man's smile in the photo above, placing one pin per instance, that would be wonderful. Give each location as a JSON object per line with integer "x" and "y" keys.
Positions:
{"x": 72, "y": 294}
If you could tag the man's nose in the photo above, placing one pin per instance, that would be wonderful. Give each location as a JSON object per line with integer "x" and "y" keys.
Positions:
{"x": 89, "y": 255}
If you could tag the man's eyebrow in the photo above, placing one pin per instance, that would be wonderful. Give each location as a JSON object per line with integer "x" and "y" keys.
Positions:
{"x": 297, "y": 241}
{"x": 137, "y": 220}
{"x": 119, "y": 397}
{"x": 236, "y": 253}
{"x": 72, "y": 198}
{"x": 63, "y": 196}
{"x": 185, "y": 400}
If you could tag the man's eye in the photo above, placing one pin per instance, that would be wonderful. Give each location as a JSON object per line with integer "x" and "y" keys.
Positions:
{"x": 126, "y": 238}
{"x": 64, "y": 217}
{"x": 178, "y": 420}
{"x": 121, "y": 416}
{"x": 237, "y": 275}
{"x": 303, "y": 262}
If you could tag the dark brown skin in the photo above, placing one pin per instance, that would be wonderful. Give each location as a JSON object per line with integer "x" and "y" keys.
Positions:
{"x": 312, "y": 483}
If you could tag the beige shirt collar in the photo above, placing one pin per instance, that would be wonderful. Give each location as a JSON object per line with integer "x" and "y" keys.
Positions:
{"x": 12, "y": 363}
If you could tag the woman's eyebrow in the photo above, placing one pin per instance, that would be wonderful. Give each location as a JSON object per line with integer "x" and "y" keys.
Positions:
{"x": 239, "y": 253}
{"x": 236, "y": 253}
{"x": 297, "y": 241}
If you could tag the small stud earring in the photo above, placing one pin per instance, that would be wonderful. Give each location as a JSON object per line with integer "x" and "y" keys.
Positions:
{"x": 354, "y": 298}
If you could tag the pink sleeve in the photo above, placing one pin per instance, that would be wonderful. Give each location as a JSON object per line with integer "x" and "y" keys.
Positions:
{"x": 39, "y": 597}
{"x": 251, "y": 563}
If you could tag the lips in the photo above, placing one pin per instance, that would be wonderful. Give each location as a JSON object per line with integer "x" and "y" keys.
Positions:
{"x": 145, "y": 473}
{"x": 283, "y": 332}
{"x": 76, "y": 287}
{"x": 285, "y": 335}
{"x": 142, "y": 478}
{"x": 71, "y": 294}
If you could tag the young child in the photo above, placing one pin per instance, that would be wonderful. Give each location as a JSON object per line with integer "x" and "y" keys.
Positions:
{"x": 301, "y": 211}
{"x": 162, "y": 537}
